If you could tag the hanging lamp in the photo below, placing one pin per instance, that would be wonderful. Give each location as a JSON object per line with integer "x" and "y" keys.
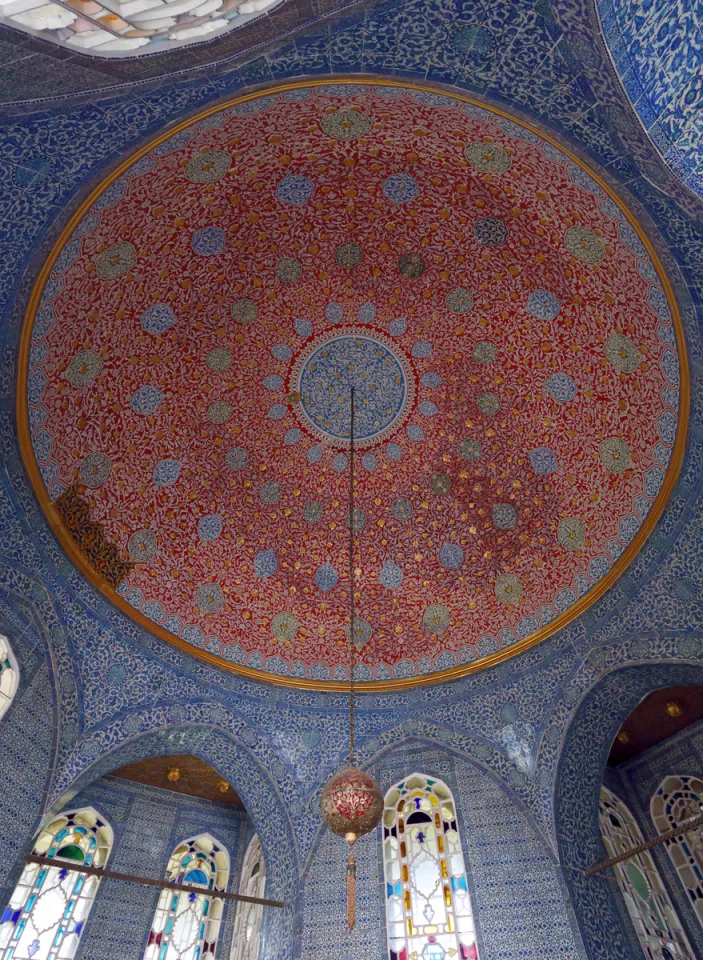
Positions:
{"x": 351, "y": 802}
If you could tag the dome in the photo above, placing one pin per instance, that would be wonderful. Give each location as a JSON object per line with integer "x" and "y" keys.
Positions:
{"x": 191, "y": 344}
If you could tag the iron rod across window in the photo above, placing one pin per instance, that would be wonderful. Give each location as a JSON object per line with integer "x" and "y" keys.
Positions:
{"x": 148, "y": 882}
{"x": 684, "y": 827}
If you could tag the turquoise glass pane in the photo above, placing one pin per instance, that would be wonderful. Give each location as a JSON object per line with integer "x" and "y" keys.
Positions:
{"x": 41, "y": 878}
{"x": 169, "y": 925}
{"x": 30, "y": 903}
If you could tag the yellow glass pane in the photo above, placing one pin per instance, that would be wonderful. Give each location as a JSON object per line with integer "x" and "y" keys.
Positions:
{"x": 445, "y": 875}
{"x": 440, "y": 843}
{"x": 404, "y": 873}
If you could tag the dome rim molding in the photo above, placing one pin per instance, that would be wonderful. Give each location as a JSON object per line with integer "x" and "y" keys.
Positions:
{"x": 77, "y": 558}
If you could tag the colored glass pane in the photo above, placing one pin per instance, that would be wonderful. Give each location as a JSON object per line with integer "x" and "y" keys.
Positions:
{"x": 187, "y": 925}
{"x": 49, "y": 907}
{"x": 9, "y": 675}
{"x": 679, "y": 798}
{"x": 658, "y": 928}
{"x": 247, "y": 922}
{"x": 428, "y": 908}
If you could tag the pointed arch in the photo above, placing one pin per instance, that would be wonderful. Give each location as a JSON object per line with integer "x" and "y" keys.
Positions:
{"x": 658, "y": 928}
{"x": 428, "y": 906}
{"x": 678, "y": 798}
{"x": 9, "y": 675}
{"x": 50, "y": 905}
{"x": 187, "y": 925}
{"x": 247, "y": 923}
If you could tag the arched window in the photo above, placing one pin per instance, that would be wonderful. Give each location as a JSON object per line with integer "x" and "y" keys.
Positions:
{"x": 247, "y": 924}
{"x": 50, "y": 906}
{"x": 658, "y": 928}
{"x": 428, "y": 908}
{"x": 9, "y": 675}
{"x": 186, "y": 925}
{"x": 677, "y": 799}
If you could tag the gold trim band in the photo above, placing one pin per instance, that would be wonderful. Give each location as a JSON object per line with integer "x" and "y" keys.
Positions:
{"x": 582, "y": 604}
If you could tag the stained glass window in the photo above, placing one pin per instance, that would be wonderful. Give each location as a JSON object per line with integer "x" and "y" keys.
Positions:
{"x": 428, "y": 907}
{"x": 658, "y": 927}
{"x": 677, "y": 799}
{"x": 50, "y": 906}
{"x": 186, "y": 925}
{"x": 247, "y": 923}
{"x": 9, "y": 675}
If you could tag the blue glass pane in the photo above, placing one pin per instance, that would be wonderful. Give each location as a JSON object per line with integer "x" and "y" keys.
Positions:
{"x": 196, "y": 876}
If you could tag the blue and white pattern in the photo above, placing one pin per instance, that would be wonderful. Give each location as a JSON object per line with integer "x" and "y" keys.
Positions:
{"x": 158, "y": 319}
{"x": 295, "y": 189}
{"x": 400, "y": 188}
{"x": 338, "y": 364}
{"x": 208, "y": 242}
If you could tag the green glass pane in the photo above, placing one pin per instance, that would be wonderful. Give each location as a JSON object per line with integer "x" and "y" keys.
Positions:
{"x": 71, "y": 852}
{"x": 638, "y": 881}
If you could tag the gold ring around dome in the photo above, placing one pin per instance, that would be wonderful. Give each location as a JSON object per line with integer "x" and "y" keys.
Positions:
{"x": 373, "y": 686}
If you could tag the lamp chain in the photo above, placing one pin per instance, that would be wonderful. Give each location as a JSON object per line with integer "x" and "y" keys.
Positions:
{"x": 352, "y": 646}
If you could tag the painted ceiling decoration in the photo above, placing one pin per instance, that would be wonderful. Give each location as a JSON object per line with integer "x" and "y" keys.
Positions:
{"x": 516, "y": 350}
{"x": 118, "y": 28}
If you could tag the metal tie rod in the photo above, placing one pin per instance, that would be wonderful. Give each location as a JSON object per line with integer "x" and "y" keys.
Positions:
{"x": 684, "y": 827}
{"x": 148, "y": 882}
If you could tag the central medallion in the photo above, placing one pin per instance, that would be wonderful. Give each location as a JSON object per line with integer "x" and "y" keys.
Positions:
{"x": 334, "y": 363}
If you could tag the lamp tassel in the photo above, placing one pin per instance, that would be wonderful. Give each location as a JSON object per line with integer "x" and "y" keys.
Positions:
{"x": 351, "y": 891}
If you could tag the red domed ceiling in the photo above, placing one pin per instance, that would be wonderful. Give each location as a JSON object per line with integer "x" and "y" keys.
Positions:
{"x": 192, "y": 344}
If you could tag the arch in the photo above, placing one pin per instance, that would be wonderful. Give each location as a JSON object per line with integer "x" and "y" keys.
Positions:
{"x": 186, "y": 926}
{"x": 428, "y": 906}
{"x": 50, "y": 905}
{"x": 605, "y": 925}
{"x": 676, "y": 799}
{"x": 658, "y": 927}
{"x": 247, "y": 923}
{"x": 264, "y": 804}
{"x": 9, "y": 675}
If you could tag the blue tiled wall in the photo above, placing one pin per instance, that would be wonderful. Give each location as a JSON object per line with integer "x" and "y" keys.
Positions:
{"x": 521, "y": 907}
{"x": 148, "y": 824}
{"x": 658, "y": 51}
{"x": 640, "y": 777}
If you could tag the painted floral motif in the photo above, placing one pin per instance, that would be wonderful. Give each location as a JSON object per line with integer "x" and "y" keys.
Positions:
{"x": 362, "y": 632}
{"x": 615, "y": 455}
{"x": 584, "y": 244}
{"x": 504, "y": 516}
{"x": 284, "y": 626}
{"x": 346, "y": 124}
{"x": 411, "y": 265}
{"x": 571, "y": 533}
{"x": 146, "y": 400}
{"x": 95, "y": 470}
{"x": 295, "y": 190}
{"x": 490, "y": 232}
{"x": 488, "y": 404}
{"x": 485, "y": 352}
{"x": 219, "y": 411}
{"x": 158, "y": 319}
{"x": 288, "y": 269}
{"x": 561, "y": 387}
{"x": 84, "y": 368}
{"x": 543, "y": 305}
{"x": 459, "y": 300}
{"x": 209, "y": 598}
{"x": 244, "y": 311}
{"x": 470, "y": 449}
{"x": 487, "y": 157}
{"x": 219, "y": 360}
{"x": 237, "y": 459}
{"x": 116, "y": 261}
{"x": 208, "y": 242}
{"x": 208, "y": 166}
{"x": 436, "y": 619}
{"x": 400, "y": 188}
{"x": 142, "y": 546}
{"x": 348, "y": 255}
{"x": 508, "y": 589}
{"x": 623, "y": 353}
{"x": 491, "y": 375}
